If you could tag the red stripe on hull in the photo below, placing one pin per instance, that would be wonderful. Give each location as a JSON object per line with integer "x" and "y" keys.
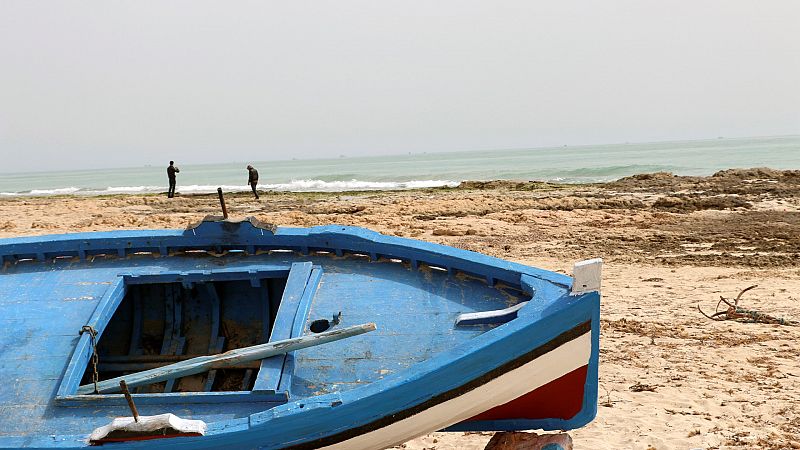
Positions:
{"x": 561, "y": 398}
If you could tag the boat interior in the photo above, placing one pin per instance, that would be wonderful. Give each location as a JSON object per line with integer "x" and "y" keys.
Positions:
{"x": 162, "y": 323}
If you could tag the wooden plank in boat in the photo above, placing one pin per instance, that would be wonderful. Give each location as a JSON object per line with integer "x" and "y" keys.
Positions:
{"x": 269, "y": 376}
{"x": 237, "y": 356}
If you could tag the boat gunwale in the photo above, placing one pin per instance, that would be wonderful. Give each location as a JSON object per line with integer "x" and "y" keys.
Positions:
{"x": 337, "y": 239}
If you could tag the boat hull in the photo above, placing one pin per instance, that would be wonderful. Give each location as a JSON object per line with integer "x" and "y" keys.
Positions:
{"x": 536, "y": 369}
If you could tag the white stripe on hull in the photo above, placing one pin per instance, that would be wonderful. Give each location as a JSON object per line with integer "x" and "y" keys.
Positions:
{"x": 501, "y": 390}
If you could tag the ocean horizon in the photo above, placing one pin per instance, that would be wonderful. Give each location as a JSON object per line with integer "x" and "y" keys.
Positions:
{"x": 573, "y": 164}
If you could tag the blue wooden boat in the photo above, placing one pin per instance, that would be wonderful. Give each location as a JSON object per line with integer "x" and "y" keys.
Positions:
{"x": 463, "y": 341}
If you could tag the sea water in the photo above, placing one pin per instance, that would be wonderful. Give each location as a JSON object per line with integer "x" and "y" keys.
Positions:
{"x": 584, "y": 164}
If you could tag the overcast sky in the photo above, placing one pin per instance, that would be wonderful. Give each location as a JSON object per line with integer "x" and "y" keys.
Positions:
{"x": 109, "y": 84}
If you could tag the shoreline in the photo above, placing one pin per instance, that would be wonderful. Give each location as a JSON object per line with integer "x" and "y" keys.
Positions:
{"x": 736, "y": 217}
{"x": 741, "y": 174}
{"x": 669, "y": 244}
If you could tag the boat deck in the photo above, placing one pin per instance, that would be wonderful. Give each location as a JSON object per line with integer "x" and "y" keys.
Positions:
{"x": 44, "y": 305}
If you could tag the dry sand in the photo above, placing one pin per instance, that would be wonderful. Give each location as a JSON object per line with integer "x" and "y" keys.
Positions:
{"x": 670, "y": 243}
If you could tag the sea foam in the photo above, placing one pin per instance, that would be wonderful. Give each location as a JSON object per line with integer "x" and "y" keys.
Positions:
{"x": 59, "y": 191}
{"x": 292, "y": 186}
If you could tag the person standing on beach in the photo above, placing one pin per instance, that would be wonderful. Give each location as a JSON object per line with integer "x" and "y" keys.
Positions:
{"x": 171, "y": 171}
{"x": 252, "y": 179}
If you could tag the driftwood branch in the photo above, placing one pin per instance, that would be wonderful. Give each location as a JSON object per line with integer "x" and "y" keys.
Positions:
{"x": 739, "y": 314}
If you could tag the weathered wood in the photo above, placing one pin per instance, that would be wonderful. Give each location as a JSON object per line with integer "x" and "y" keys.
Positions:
{"x": 222, "y": 203}
{"x": 135, "y": 367}
{"x": 216, "y": 342}
{"x": 124, "y": 388}
{"x": 172, "y": 343}
{"x": 300, "y": 315}
{"x": 588, "y": 276}
{"x": 734, "y": 312}
{"x": 490, "y": 317}
{"x": 108, "y": 304}
{"x": 134, "y": 359}
{"x": 237, "y": 356}
{"x": 269, "y": 376}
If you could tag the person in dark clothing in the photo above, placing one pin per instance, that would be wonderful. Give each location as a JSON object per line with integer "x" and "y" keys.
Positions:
{"x": 252, "y": 179}
{"x": 171, "y": 171}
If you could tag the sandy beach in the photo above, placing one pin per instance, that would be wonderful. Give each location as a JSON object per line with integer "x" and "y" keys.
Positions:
{"x": 669, "y": 377}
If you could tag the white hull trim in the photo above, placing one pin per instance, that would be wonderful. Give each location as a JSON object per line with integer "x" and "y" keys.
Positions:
{"x": 560, "y": 361}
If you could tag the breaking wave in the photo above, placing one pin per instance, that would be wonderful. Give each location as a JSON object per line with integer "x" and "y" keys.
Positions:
{"x": 60, "y": 191}
{"x": 292, "y": 186}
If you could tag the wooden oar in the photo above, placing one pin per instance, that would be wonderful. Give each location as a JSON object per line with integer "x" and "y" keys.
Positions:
{"x": 232, "y": 357}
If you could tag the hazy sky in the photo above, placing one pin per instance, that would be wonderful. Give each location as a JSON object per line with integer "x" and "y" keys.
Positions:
{"x": 108, "y": 83}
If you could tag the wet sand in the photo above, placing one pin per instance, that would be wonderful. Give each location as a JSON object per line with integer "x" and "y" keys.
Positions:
{"x": 669, "y": 377}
